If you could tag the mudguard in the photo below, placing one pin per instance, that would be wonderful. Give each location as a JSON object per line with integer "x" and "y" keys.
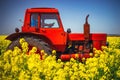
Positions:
{"x": 15, "y": 36}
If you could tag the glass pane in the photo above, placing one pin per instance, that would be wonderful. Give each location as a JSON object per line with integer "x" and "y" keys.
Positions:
{"x": 49, "y": 21}
{"x": 34, "y": 20}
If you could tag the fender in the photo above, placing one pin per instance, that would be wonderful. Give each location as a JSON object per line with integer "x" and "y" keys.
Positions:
{"x": 14, "y": 36}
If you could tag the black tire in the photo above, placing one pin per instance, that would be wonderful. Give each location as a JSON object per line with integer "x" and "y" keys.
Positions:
{"x": 32, "y": 41}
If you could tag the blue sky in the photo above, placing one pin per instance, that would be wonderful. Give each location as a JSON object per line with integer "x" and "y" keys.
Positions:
{"x": 104, "y": 14}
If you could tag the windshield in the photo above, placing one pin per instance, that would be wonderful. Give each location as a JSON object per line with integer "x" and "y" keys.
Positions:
{"x": 49, "y": 21}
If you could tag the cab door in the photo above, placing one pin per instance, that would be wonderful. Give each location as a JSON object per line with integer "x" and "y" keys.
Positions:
{"x": 33, "y": 23}
{"x": 51, "y": 27}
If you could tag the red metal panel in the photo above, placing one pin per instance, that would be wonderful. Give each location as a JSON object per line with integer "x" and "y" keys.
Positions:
{"x": 65, "y": 57}
{"x": 98, "y": 36}
{"x": 98, "y": 40}
{"x": 94, "y": 36}
{"x": 43, "y": 10}
{"x": 75, "y": 36}
{"x": 57, "y": 36}
{"x": 97, "y": 44}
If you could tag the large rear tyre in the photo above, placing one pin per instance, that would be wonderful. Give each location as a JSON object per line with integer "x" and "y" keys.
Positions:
{"x": 32, "y": 42}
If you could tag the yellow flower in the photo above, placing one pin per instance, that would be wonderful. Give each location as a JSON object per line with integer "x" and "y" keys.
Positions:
{"x": 22, "y": 40}
{"x": 106, "y": 69}
{"x": 76, "y": 56}
{"x": 91, "y": 54}
{"x": 83, "y": 59}
{"x": 59, "y": 60}
{"x": 42, "y": 52}
{"x": 34, "y": 50}
{"x": 96, "y": 55}
{"x": 7, "y": 66}
{"x": 70, "y": 73}
{"x": 23, "y": 75}
{"x": 118, "y": 73}
{"x": 103, "y": 78}
{"x": 54, "y": 52}
{"x": 66, "y": 68}
{"x": 72, "y": 60}
{"x": 24, "y": 47}
{"x": 15, "y": 68}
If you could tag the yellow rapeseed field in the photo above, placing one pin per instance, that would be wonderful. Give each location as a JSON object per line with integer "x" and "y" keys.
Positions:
{"x": 17, "y": 65}
{"x": 3, "y": 43}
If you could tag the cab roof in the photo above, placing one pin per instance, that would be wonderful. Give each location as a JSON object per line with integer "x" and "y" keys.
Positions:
{"x": 42, "y": 10}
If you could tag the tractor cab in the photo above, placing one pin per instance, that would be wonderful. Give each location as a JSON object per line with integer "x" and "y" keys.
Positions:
{"x": 46, "y": 22}
{"x": 38, "y": 18}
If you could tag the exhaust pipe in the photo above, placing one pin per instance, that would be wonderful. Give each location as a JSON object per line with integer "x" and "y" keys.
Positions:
{"x": 87, "y": 29}
{"x": 86, "y": 36}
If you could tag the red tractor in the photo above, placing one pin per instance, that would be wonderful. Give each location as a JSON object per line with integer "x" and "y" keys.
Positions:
{"x": 43, "y": 28}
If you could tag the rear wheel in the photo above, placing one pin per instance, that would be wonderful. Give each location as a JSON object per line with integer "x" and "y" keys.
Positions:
{"x": 32, "y": 42}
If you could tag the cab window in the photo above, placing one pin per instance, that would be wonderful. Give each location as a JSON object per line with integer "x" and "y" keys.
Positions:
{"x": 34, "y": 20}
{"x": 49, "y": 21}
